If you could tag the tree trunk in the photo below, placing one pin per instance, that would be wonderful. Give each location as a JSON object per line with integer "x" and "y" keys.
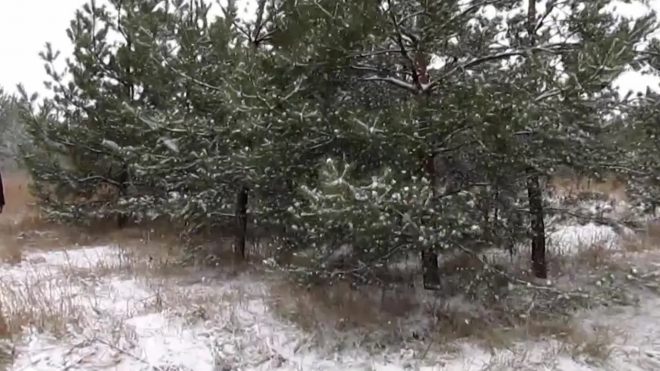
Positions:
{"x": 2, "y": 195}
{"x": 241, "y": 223}
{"x": 539, "y": 266}
{"x": 430, "y": 266}
{"x": 430, "y": 270}
{"x": 123, "y": 218}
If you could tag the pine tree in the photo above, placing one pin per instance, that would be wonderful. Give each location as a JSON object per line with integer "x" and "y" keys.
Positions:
{"x": 94, "y": 140}
{"x": 12, "y": 132}
{"x": 569, "y": 104}
{"x": 369, "y": 124}
{"x": 636, "y": 136}
{"x": 368, "y": 130}
{"x": 152, "y": 116}
{"x": 495, "y": 117}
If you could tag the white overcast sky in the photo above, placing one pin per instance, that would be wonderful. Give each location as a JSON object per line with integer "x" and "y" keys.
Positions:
{"x": 26, "y": 25}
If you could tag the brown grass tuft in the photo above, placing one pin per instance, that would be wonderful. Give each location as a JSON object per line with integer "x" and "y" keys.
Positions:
{"x": 476, "y": 303}
{"x": 17, "y": 195}
{"x": 331, "y": 311}
{"x": 652, "y": 233}
{"x": 614, "y": 187}
{"x": 596, "y": 344}
{"x": 145, "y": 252}
{"x": 590, "y": 258}
{"x": 338, "y": 306}
{"x": 18, "y": 215}
{"x": 21, "y": 226}
{"x": 648, "y": 240}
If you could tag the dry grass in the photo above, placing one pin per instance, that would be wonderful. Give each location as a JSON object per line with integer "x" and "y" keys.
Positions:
{"x": 17, "y": 195}
{"x": 49, "y": 300}
{"x": 591, "y": 258}
{"x": 596, "y": 344}
{"x": 21, "y": 227}
{"x": 646, "y": 241}
{"x": 339, "y": 305}
{"x": 336, "y": 313}
{"x": 475, "y": 304}
{"x": 650, "y": 239}
{"x": 653, "y": 232}
{"x": 28, "y": 304}
{"x": 593, "y": 347}
{"x": 18, "y": 215}
{"x": 24, "y": 304}
{"x": 149, "y": 252}
{"x": 572, "y": 186}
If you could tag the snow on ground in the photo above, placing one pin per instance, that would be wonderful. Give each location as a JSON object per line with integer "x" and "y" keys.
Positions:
{"x": 117, "y": 321}
{"x": 569, "y": 239}
{"x": 635, "y": 331}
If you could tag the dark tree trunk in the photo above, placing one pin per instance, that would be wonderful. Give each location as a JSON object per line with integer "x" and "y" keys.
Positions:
{"x": 241, "y": 222}
{"x": 123, "y": 218}
{"x": 430, "y": 266}
{"x": 539, "y": 266}
{"x": 429, "y": 256}
{"x": 2, "y": 195}
{"x": 430, "y": 269}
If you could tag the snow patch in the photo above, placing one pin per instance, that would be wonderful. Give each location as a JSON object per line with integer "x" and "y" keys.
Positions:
{"x": 134, "y": 324}
{"x": 571, "y": 239}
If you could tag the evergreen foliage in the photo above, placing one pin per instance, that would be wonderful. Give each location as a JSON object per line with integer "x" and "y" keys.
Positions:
{"x": 12, "y": 133}
{"x": 379, "y": 128}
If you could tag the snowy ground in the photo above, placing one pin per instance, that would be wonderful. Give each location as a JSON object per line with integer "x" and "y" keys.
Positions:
{"x": 89, "y": 309}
